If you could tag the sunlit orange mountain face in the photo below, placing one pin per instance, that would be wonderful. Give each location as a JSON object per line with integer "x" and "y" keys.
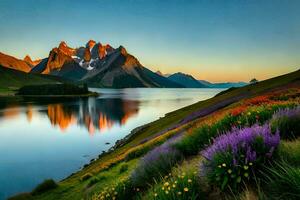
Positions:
{"x": 92, "y": 114}
{"x": 95, "y": 63}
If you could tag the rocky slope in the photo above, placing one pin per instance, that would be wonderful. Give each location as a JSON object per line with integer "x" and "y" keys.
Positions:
{"x": 14, "y": 63}
{"x": 100, "y": 65}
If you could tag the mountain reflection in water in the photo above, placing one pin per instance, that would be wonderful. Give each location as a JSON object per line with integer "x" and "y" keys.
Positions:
{"x": 91, "y": 113}
{"x": 53, "y": 137}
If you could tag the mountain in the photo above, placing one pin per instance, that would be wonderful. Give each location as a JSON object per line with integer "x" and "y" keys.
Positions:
{"x": 100, "y": 65}
{"x": 14, "y": 63}
{"x": 223, "y": 85}
{"x": 159, "y": 73}
{"x": 31, "y": 62}
{"x": 186, "y": 80}
{"x": 12, "y": 79}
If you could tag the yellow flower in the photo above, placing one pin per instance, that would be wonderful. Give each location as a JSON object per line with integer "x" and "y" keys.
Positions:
{"x": 249, "y": 113}
{"x": 246, "y": 167}
{"x": 176, "y": 182}
{"x": 182, "y": 177}
{"x": 246, "y": 174}
{"x": 179, "y": 193}
{"x": 167, "y": 192}
{"x": 173, "y": 185}
{"x": 189, "y": 180}
{"x": 169, "y": 188}
{"x": 116, "y": 193}
{"x": 186, "y": 189}
{"x": 163, "y": 188}
{"x": 229, "y": 171}
{"x": 250, "y": 163}
{"x": 155, "y": 194}
{"x": 224, "y": 164}
{"x": 166, "y": 184}
{"x": 219, "y": 166}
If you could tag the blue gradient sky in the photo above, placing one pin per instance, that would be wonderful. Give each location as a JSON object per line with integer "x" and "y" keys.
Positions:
{"x": 213, "y": 40}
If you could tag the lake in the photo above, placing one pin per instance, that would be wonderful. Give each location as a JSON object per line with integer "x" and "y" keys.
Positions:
{"x": 52, "y": 138}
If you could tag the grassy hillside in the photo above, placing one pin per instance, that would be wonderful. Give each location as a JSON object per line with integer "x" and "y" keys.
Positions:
{"x": 121, "y": 172}
{"x": 13, "y": 79}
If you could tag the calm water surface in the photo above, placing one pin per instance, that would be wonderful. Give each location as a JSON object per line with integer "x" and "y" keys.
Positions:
{"x": 42, "y": 139}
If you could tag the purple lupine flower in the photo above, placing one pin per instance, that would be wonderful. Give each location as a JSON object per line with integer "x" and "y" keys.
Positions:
{"x": 287, "y": 112}
{"x": 239, "y": 140}
{"x": 158, "y": 160}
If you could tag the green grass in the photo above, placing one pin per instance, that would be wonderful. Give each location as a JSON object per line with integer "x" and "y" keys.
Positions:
{"x": 44, "y": 186}
{"x": 78, "y": 189}
{"x": 12, "y": 79}
{"x": 289, "y": 151}
{"x": 282, "y": 182}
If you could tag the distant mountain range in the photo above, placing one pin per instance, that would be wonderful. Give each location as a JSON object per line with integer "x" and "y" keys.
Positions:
{"x": 189, "y": 81}
{"x": 100, "y": 65}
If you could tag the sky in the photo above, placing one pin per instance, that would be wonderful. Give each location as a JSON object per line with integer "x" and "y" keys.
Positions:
{"x": 215, "y": 40}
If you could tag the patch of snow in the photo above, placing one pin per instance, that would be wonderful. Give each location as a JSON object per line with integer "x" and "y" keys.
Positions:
{"x": 90, "y": 67}
{"x": 81, "y": 63}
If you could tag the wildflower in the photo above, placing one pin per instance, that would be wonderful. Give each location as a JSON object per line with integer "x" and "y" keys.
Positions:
{"x": 186, "y": 189}
{"x": 116, "y": 193}
{"x": 137, "y": 189}
{"x": 229, "y": 171}
{"x": 163, "y": 188}
{"x": 166, "y": 184}
{"x": 246, "y": 167}
{"x": 250, "y": 163}
{"x": 246, "y": 174}
{"x": 175, "y": 182}
{"x": 219, "y": 166}
{"x": 169, "y": 188}
{"x": 189, "y": 180}
{"x": 224, "y": 164}
{"x": 249, "y": 113}
{"x": 173, "y": 185}
{"x": 167, "y": 192}
{"x": 155, "y": 194}
{"x": 179, "y": 193}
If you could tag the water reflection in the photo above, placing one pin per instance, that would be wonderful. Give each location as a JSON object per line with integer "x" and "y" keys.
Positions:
{"x": 91, "y": 113}
{"x": 51, "y": 137}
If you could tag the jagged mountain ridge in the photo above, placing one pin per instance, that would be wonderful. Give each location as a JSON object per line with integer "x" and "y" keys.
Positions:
{"x": 100, "y": 65}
